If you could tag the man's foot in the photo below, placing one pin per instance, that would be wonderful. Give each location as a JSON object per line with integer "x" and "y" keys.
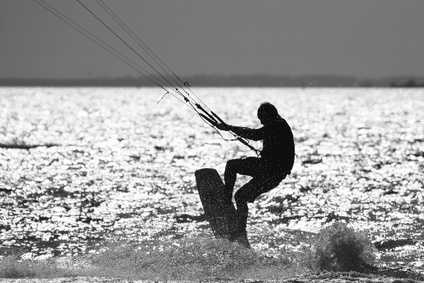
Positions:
{"x": 243, "y": 241}
{"x": 241, "y": 238}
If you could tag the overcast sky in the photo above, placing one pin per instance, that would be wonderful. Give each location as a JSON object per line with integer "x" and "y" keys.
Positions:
{"x": 367, "y": 38}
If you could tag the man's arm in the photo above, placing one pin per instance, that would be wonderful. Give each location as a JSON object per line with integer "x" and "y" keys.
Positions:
{"x": 247, "y": 133}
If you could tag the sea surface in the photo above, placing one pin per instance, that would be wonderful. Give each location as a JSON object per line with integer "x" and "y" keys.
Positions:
{"x": 123, "y": 164}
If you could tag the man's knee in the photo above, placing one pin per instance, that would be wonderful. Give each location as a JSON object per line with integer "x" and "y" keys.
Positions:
{"x": 232, "y": 165}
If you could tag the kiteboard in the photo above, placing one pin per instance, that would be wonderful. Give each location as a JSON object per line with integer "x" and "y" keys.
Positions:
{"x": 220, "y": 213}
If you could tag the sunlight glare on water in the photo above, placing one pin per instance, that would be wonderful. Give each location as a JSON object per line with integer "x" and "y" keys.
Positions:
{"x": 124, "y": 167}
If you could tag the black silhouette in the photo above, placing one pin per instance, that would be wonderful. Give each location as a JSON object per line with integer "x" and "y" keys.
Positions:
{"x": 274, "y": 164}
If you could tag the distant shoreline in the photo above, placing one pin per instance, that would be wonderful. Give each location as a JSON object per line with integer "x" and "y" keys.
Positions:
{"x": 221, "y": 81}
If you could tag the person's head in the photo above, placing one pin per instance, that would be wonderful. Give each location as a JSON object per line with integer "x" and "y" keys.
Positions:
{"x": 267, "y": 113}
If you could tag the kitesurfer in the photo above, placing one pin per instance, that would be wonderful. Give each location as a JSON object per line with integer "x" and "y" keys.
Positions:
{"x": 268, "y": 170}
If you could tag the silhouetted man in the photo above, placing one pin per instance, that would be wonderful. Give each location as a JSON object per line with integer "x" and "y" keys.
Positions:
{"x": 273, "y": 165}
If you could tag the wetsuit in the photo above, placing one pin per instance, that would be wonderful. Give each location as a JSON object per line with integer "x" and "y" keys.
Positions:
{"x": 273, "y": 165}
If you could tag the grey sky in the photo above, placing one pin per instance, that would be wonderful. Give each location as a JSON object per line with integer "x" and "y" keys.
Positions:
{"x": 283, "y": 37}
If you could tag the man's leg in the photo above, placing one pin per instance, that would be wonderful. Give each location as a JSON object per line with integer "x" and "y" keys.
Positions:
{"x": 242, "y": 197}
{"x": 247, "y": 166}
{"x": 230, "y": 176}
{"x": 242, "y": 213}
{"x": 248, "y": 193}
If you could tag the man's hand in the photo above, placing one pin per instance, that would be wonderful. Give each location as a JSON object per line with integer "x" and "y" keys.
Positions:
{"x": 222, "y": 126}
{"x": 214, "y": 120}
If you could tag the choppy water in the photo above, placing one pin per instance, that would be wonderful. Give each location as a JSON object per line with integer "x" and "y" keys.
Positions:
{"x": 125, "y": 166}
